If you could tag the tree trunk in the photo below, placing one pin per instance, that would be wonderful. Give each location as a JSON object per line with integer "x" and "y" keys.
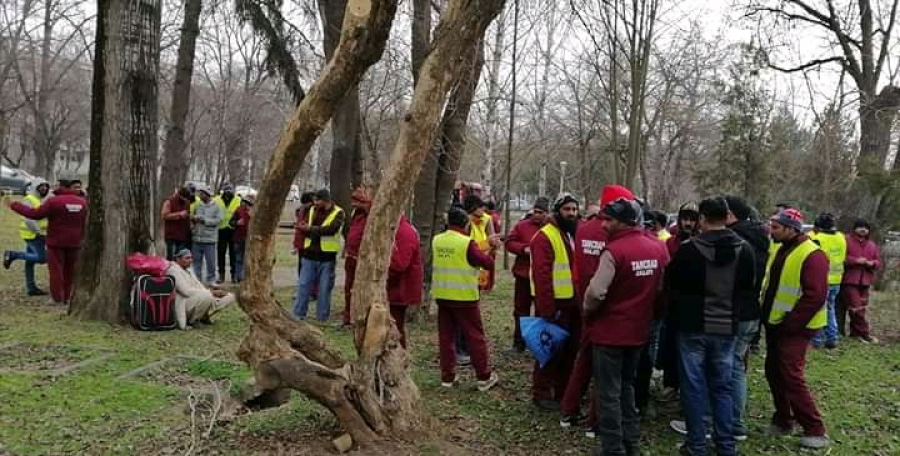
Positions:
{"x": 423, "y": 207}
{"x": 282, "y": 351}
{"x": 123, "y": 151}
{"x": 346, "y": 153}
{"x": 876, "y": 118}
{"x": 175, "y": 162}
{"x": 439, "y": 172}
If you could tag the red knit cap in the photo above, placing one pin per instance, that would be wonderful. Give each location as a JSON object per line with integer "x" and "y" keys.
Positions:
{"x": 613, "y": 192}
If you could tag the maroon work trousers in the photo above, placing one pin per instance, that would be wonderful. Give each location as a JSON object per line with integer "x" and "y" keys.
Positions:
{"x": 349, "y": 278}
{"x": 398, "y": 313}
{"x": 466, "y": 320}
{"x": 785, "y": 372}
{"x": 61, "y": 271}
{"x": 522, "y": 301}
{"x": 853, "y": 300}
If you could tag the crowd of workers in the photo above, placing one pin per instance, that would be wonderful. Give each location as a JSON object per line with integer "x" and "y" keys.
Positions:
{"x": 634, "y": 294}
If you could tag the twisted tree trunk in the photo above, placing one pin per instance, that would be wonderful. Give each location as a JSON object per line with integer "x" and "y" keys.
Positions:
{"x": 374, "y": 395}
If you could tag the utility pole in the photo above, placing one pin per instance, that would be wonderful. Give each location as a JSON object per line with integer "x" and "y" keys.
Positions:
{"x": 542, "y": 180}
{"x": 562, "y": 177}
{"x": 509, "y": 139}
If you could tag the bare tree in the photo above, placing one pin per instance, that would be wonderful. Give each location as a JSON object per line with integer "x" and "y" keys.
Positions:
{"x": 175, "y": 165}
{"x": 861, "y": 33}
{"x": 623, "y": 32}
{"x": 292, "y": 354}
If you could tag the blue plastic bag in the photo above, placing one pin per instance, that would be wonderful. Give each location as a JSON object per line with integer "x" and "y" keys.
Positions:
{"x": 542, "y": 338}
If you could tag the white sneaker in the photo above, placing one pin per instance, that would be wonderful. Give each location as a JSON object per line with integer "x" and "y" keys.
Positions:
{"x": 453, "y": 383}
{"x": 814, "y": 442}
{"x": 680, "y": 427}
{"x": 484, "y": 385}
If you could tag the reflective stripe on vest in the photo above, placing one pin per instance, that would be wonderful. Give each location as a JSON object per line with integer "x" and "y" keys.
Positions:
{"x": 326, "y": 243}
{"x": 24, "y": 232}
{"x": 228, "y": 211}
{"x": 789, "y": 288}
{"x": 835, "y": 247}
{"x": 563, "y": 287}
{"x": 452, "y": 277}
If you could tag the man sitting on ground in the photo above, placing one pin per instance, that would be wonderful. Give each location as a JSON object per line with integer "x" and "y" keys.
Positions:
{"x": 194, "y": 303}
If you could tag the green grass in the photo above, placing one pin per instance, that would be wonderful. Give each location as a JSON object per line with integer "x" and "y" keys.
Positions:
{"x": 90, "y": 410}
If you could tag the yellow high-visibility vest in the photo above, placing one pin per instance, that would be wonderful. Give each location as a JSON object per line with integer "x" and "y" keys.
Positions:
{"x": 835, "y": 247}
{"x": 789, "y": 287}
{"x": 563, "y": 286}
{"x": 193, "y": 207}
{"x": 479, "y": 232}
{"x": 25, "y": 233}
{"x": 663, "y": 234}
{"x": 452, "y": 277}
{"x": 227, "y": 211}
{"x": 326, "y": 243}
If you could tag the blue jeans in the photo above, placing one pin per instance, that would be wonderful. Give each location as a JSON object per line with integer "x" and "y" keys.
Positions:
{"x": 35, "y": 253}
{"x": 310, "y": 272}
{"x": 747, "y": 330}
{"x": 706, "y": 365}
{"x": 830, "y": 330}
{"x": 238, "y": 248}
{"x": 205, "y": 252}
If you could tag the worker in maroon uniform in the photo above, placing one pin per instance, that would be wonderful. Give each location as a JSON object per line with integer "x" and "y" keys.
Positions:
{"x": 553, "y": 276}
{"x": 176, "y": 215}
{"x": 241, "y": 223}
{"x": 66, "y": 213}
{"x": 590, "y": 240}
{"x": 794, "y": 310}
{"x": 518, "y": 243}
{"x": 863, "y": 261}
{"x": 618, "y": 308}
{"x": 405, "y": 274}
{"x": 361, "y": 203}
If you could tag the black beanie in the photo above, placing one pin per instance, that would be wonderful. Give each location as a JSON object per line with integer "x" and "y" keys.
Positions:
{"x": 456, "y": 217}
{"x": 542, "y": 203}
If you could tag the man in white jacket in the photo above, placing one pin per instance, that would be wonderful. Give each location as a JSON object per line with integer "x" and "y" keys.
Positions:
{"x": 194, "y": 303}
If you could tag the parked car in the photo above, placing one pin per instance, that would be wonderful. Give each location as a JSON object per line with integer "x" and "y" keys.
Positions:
{"x": 244, "y": 190}
{"x": 14, "y": 180}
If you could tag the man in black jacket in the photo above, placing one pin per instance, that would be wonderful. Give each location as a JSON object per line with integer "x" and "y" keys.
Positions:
{"x": 708, "y": 312}
{"x": 755, "y": 234}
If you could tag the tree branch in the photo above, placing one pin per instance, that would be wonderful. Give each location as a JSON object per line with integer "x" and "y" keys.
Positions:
{"x": 805, "y": 66}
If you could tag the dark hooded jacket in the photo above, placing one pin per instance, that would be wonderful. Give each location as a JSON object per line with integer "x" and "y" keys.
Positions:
{"x": 709, "y": 280}
{"x": 756, "y": 236}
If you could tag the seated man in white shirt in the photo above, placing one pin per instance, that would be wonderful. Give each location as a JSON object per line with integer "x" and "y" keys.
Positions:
{"x": 194, "y": 303}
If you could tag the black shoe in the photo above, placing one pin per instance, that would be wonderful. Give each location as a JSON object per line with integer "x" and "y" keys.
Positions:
{"x": 37, "y": 292}
{"x": 567, "y": 421}
{"x": 547, "y": 404}
{"x": 7, "y": 259}
{"x": 519, "y": 346}
{"x": 831, "y": 345}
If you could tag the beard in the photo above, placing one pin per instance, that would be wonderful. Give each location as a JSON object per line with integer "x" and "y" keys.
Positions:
{"x": 686, "y": 233}
{"x": 568, "y": 225}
